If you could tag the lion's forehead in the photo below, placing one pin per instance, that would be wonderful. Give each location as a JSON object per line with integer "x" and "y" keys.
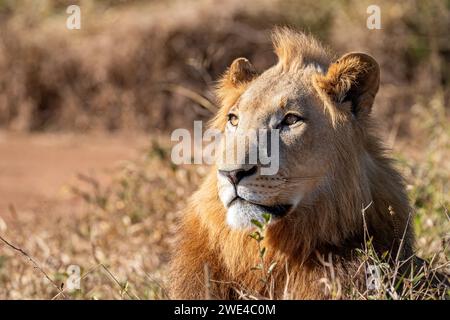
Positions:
{"x": 271, "y": 91}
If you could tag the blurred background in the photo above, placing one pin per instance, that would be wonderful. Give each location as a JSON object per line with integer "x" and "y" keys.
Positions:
{"x": 86, "y": 116}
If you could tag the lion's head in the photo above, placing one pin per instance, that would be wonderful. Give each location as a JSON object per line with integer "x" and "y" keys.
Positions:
{"x": 334, "y": 184}
{"x": 319, "y": 109}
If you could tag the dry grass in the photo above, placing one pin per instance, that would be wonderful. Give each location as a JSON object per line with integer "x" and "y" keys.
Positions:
{"x": 121, "y": 241}
{"x": 158, "y": 79}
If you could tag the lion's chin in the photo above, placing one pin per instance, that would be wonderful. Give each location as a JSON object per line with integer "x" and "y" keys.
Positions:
{"x": 241, "y": 213}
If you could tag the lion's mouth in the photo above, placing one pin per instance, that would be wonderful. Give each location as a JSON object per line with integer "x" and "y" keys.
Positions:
{"x": 277, "y": 211}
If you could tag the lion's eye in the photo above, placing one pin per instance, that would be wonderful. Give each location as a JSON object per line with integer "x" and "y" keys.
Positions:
{"x": 233, "y": 119}
{"x": 291, "y": 119}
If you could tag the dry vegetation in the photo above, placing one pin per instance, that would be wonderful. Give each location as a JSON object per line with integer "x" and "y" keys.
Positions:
{"x": 150, "y": 66}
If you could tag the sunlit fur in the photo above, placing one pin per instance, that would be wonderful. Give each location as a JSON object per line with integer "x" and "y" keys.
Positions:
{"x": 359, "y": 175}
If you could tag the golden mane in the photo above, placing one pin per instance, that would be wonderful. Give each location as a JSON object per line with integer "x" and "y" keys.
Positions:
{"x": 295, "y": 49}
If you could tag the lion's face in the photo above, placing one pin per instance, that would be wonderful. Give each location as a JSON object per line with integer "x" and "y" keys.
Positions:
{"x": 315, "y": 106}
{"x": 290, "y": 106}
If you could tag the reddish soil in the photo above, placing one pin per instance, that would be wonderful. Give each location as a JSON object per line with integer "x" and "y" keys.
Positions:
{"x": 36, "y": 170}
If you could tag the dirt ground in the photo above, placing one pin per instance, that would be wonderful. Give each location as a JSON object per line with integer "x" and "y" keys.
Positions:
{"x": 36, "y": 170}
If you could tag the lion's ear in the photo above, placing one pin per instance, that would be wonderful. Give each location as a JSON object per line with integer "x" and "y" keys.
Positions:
{"x": 240, "y": 72}
{"x": 355, "y": 77}
{"x": 235, "y": 79}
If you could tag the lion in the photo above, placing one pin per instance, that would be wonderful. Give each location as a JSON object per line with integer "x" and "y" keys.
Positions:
{"x": 335, "y": 187}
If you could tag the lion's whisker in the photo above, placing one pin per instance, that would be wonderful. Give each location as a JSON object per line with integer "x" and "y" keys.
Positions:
{"x": 300, "y": 178}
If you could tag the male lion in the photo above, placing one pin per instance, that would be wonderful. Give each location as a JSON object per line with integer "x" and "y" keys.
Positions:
{"x": 335, "y": 185}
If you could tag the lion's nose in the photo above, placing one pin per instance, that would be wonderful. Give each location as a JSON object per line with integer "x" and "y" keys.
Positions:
{"x": 237, "y": 175}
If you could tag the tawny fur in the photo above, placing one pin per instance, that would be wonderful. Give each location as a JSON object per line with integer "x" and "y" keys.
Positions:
{"x": 330, "y": 226}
